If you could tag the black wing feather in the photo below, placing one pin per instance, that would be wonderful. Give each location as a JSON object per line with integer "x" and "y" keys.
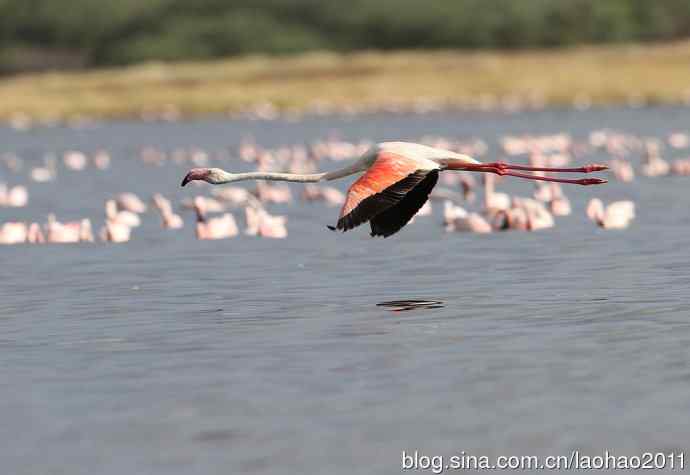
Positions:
{"x": 388, "y": 198}
{"x": 394, "y": 218}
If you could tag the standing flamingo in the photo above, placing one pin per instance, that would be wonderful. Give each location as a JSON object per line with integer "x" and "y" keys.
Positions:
{"x": 455, "y": 218}
{"x": 73, "y": 231}
{"x": 34, "y": 235}
{"x": 16, "y": 197}
{"x": 397, "y": 181}
{"x": 13, "y": 233}
{"x": 213, "y": 228}
{"x": 171, "y": 220}
{"x": 617, "y": 215}
{"x": 260, "y": 223}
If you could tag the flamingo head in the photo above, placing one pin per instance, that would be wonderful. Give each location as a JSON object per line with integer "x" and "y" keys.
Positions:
{"x": 209, "y": 175}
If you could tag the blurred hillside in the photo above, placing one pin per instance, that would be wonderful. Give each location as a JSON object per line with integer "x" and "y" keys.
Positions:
{"x": 50, "y": 34}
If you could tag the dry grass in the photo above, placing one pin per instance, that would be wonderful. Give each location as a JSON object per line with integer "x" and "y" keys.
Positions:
{"x": 600, "y": 75}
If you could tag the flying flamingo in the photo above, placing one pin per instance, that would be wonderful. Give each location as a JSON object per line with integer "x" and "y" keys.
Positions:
{"x": 397, "y": 181}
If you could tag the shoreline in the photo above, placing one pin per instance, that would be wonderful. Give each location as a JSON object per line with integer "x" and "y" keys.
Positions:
{"x": 318, "y": 84}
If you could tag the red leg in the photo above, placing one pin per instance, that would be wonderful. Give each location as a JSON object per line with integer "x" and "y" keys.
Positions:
{"x": 484, "y": 168}
{"x": 581, "y": 181}
{"x": 508, "y": 166}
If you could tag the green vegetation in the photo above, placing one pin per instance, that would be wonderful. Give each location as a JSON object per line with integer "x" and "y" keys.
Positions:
{"x": 595, "y": 74}
{"x": 47, "y": 34}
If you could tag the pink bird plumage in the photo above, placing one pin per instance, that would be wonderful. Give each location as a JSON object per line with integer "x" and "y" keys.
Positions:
{"x": 398, "y": 178}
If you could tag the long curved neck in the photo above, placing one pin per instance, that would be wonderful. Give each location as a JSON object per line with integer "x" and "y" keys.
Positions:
{"x": 274, "y": 176}
{"x": 358, "y": 166}
{"x": 200, "y": 215}
{"x": 488, "y": 190}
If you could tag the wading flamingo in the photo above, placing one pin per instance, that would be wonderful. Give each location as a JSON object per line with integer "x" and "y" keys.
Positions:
{"x": 115, "y": 231}
{"x": 35, "y": 234}
{"x": 13, "y": 233}
{"x": 397, "y": 181}
{"x": 213, "y": 228}
{"x": 616, "y": 215}
{"x": 171, "y": 220}
{"x": 72, "y": 231}
{"x": 260, "y": 223}
{"x": 455, "y": 218}
{"x": 125, "y": 217}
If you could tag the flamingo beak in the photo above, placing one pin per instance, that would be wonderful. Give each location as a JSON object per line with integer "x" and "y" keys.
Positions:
{"x": 195, "y": 174}
{"x": 187, "y": 178}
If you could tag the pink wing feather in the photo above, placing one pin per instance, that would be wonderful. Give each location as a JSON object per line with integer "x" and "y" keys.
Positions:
{"x": 383, "y": 185}
{"x": 388, "y": 169}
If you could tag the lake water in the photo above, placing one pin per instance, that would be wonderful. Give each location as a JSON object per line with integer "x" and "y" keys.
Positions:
{"x": 170, "y": 355}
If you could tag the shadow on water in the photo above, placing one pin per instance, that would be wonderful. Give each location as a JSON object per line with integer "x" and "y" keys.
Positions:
{"x": 404, "y": 305}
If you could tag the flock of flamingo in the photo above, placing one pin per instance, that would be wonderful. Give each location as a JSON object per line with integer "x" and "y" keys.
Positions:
{"x": 398, "y": 183}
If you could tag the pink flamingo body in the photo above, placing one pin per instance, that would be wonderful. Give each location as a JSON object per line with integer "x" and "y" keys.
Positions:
{"x": 222, "y": 227}
{"x": 329, "y": 195}
{"x": 210, "y": 205}
{"x": 170, "y": 219}
{"x": 273, "y": 227}
{"x": 125, "y": 217}
{"x": 118, "y": 224}
{"x": 101, "y": 159}
{"x": 681, "y": 167}
{"x": 35, "y": 234}
{"x": 617, "y": 215}
{"x": 622, "y": 170}
{"x": 69, "y": 232}
{"x": 679, "y": 140}
{"x": 398, "y": 178}
{"x": 493, "y": 200}
{"x": 15, "y": 197}
{"x": 510, "y": 219}
{"x": 260, "y": 223}
{"x": 130, "y": 202}
{"x": 654, "y": 165}
{"x": 45, "y": 173}
{"x": 273, "y": 193}
{"x": 456, "y": 218}
{"x": 13, "y": 233}
{"x": 74, "y": 160}
{"x": 236, "y": 196}
{"x": 114, "y": 231}
{"x": 552, "y": 194}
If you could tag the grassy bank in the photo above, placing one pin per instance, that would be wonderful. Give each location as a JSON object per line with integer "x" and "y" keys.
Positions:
{"x": 596, "y": 75}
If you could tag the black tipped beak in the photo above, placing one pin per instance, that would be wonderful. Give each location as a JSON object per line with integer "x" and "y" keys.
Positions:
{"x": 185, "y": 180}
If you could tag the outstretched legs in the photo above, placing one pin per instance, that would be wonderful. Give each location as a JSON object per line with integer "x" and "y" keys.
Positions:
{"x": 505, "y": 169}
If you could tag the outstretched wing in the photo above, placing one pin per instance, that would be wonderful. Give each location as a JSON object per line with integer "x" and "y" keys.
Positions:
{"x": 394, "y": 218}
{"x": 384, "y": 185}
